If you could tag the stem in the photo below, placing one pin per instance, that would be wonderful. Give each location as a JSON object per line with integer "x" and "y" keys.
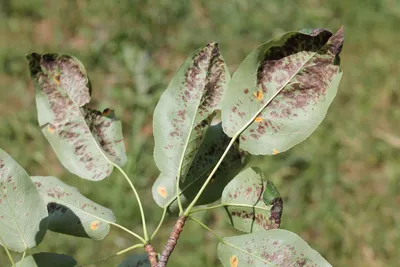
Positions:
{"x": 160, "y": 223}
{"x": 191, "y": 205}
{"x": 172, "y": 241}
{"x": 23, "y": 258}
{"x": 207, "y": 228}
{"x": 128, "y": 231}
{"x": 7, "y": 251}
{"x": 228, "y": 204}
{"x": 146, "y": 236}
{"x": 151, "y": 254}
{"x": 114, "y": 255}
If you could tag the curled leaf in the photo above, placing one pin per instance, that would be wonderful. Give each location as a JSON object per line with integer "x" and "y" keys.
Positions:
{"x": 243, "y": 199}
{"x": 70, "y": 212}
{"x": 86, "y": 141}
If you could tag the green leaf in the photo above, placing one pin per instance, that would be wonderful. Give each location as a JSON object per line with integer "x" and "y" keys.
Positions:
{"x": 23, "y": 213}
{"x": 70, "y": 212}
{"x": 251, "y": 214}
{"x": 272, "y": 248}
{"x": 136, "y": 260}
{"x": 86, "y": 141}
{"x": 212, "y": 148}
{"x": 186, "y": 109}
{"x": 47, "y": 259}
{"x": 281, "y": 92}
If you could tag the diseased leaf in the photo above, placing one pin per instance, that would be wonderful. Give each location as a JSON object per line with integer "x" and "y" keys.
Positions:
{"x": 23, "y": 213}
{"x": 212, "y": 148}
{"x": 186, "y": 109}
{"x": 272, "y": 248}
{"x": 248, "y": 188}
{"x": 70, "y": 212}
{"x": 283, "y": 90}
{"x": 136, "y": 260}
{"x": 47, "y": 259}
{"x": 85, "y": 140}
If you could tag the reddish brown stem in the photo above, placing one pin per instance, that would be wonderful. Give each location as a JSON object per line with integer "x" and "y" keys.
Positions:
{"x": 172, "y": 240}
{"x": 151, "y": 254}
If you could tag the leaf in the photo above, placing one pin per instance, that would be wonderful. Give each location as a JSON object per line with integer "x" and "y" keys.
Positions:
{"x": 47, "y": 259}
{"x": 248, "y": 188}
{"x": 23, "y": 213}
{"x": 282, "y": 91}
{"x": 136, "y": 260}
{"x": 70, "y": 212}
{"x": 212, "y": 148}
{"x": 86, "y": 141}
{"x": 272, "y": 248}
{"x": 186, "y": 109}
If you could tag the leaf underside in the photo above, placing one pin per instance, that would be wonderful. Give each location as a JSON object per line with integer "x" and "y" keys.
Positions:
{"x": 283, "y": 90}
{"x": 272, "y": 248}
{"x": 70, "y": 212}
{"x": 185, "y": 111}
{"x": 85, "y": 140}
{"x": 248, "y": 188}
{"x": 23, "y": 213}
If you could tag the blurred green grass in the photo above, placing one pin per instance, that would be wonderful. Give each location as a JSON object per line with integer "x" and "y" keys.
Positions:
{"x": 341, "y": 186}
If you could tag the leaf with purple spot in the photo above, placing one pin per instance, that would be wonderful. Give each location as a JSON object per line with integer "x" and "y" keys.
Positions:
{"x": 87, "y": 142}
{"x": 272, "y": 248}
{"x": 48, "y": 259}
{"x": 72, "y": 213}
{"x": 244, "y": 204}
{"x": 23, "y": 214}
{"x": 210, "y": 151}
{"x": 281, "y": 92}
{"x": 186, "y": 109}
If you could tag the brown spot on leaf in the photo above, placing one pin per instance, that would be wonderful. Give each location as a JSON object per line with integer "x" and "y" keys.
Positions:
{"x": 275, "y": 152}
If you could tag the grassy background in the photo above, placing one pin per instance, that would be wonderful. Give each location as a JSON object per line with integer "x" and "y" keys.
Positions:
{"x": 341, "y": 186}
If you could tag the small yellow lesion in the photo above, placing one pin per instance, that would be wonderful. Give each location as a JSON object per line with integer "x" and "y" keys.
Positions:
{"x": 234, "y": 261}
{"x": 162, "y": 192}
{"x": 275, "y": 152}
{"x": 94, "y": 225}
{"x": 259, "y": 94}
{"x": 57, "y": 78}
{"x": 258, "y": 119}
{"x": 51, "y": 129}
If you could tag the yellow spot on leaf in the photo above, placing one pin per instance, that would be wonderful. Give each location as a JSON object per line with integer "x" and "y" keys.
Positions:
{"x": 51, "y": 129}
{"x": 234, "y": 261}
{"x": 259, "y": 95}
{"x": 161, "y": 190}
{"x": 275, "y": 151}
{"x": 258, "y": 119}
{"x": 212, "y": 180}
{"x": 94, "y": 225}
{"x": 57, "y": 79}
